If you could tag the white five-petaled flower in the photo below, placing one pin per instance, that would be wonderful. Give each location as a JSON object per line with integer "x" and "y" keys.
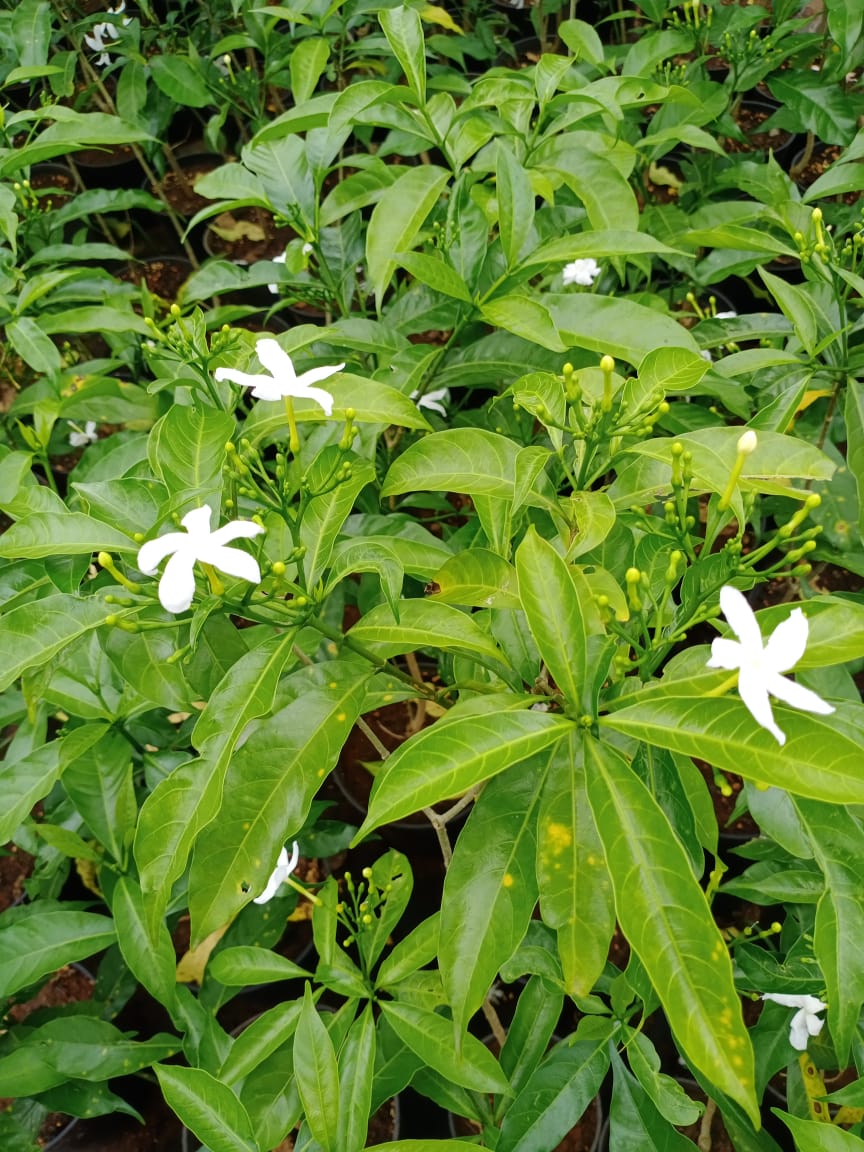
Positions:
{"x": 805, "y": 1023}
{"x": 104, "y": 34}
{"x": 582, "y": 272}
{"x": 79, "y": 439}
{"x": 760, "y": 666}
{"x": 197, "y": 543}
{"x": 434, "y": 400}
{"x": 284, "y": 868}
{"x": 282, "y": 380}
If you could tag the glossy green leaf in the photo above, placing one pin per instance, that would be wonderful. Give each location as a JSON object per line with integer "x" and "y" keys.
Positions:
{"x": 181, "y": 81}
{"x": 475, "y": 578}
{"x": 555, "y": 1097}
{"x": 397, "y": 218}
{"x": 816, "y": 1136}
{"x": 179, "y": 806}
{"x": 838, "y": 841}
{"x": 469, "y": 460}
{"x": 515, "y": 198}
{"x": 538, "y": 1012}
{"x": 665, "y": 916}
{"x": 594, "y": 244}
{"x": 31, "y": 777}
{"x": 608, "y": 198}
{"x": 151, "y": 960}
{"x": 423, "y": 624}
{"x": 325, "y": 514}
{"x": 668, "y": 1096}
{"x": 317, "y": 1076}
{"x": 99, "y": 784}
{"x": 269, "y": 787}
{"x": 419, "y": 948}
{"x": 186, "y": 450}
{"x": 820, "y": 760}
{"x": 208, "y": 1108}
{"x": 526, "y": 317}
{"x": 576, "y": 895}
{"x": 490, "y": 889}
{"x": 615, "y": 326}
{"x": 41, "y": 940}
{"x": 854, "y": 413}
{"x": 248, "y": 965}
{"x": 437, "y": 273}
{"x": 33, "y": 345}
{"x": 431, "y": 1037}
{"x": 307, "y": 64}
{"x": 796, "y": 306}
{"x": 449, "y": 758}
{"x": 256, "y": 1043}
{"x": 634, "y": 1121}
{"x": 404, "y": 33}
{"x": 42, "y": 534}
{"x": 672, "y": 370}
{"x": 356, "y": 1069}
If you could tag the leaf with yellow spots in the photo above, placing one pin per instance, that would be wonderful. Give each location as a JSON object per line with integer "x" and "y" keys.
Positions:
{"x": 666, "y": 918}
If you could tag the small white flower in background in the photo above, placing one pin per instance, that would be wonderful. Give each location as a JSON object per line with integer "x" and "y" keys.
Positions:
{"x": 274, "y": 288}
{"x": 730, "y": 315}
{"x": 284, "y": 868}
{"x": 582, "y": 272}
{"x": 197, "y": 543}
{"x": 103, "y": 35}
{"x": 805, "y": 1023}
{"x": 434, "y": 400}
{"x": 760, "y": 666}
{"x": 308, "y": 248}
{"x": 706, "y": 355}
{"x": 79, "y": 439}
{"x": 282, "y": 380}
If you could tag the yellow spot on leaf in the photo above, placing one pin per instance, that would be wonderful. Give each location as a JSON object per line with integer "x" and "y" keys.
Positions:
{"x": 558, "y": 838}
{"x": 507, "y": 880}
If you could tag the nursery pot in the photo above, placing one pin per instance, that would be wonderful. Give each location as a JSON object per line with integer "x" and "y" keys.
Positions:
{"x": 750, "y": 116}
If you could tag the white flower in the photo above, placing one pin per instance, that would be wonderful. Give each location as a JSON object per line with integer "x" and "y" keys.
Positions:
{"x": 582, "y": 272}
{"x": 177, "y": 586}
{"x": 434, "y": 401}
{"x": 284, "y": 868}
{"x": 805, "y": 1022}
{"x": 730, "y": 315}
{"x": 282, "y": 379}
{"x": 79, "y": 439}
{"x": 103, "y": 35}
{"x": 760, "y": 666}
{"x": 274, "y": 288}
{"x": 706, "y": 355}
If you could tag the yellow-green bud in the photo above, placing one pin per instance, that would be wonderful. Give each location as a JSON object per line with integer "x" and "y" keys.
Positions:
{"x": 607, "y": 364}
{"x": 278, "y": 568}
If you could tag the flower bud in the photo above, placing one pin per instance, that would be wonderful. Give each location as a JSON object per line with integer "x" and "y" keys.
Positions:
{"x": 748, "y": 442}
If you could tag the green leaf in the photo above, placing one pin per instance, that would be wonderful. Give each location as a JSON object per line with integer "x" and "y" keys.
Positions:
{"x": 150, "y": 958}
{"x": 469, "y": 460}
{"x": 356, "y": 1069}
{"x": 665, "y": 916}
{"x": 556, "y": 1097}
{"x": 423, "y": 624}
{"x": 615, "y": 326}
{"x": 820, "y": 759}
{"x": 560, "y": 633}
{"x": 186, "y": 450}
{"x": 854, "y": 413}
{"x": 450, "y": 757}
{"x": 33, "y": 345}
{"x": 437, "y": 273}
{"x": 795, "y": 305}
{"x": 576, "y": 895}
{"x": 208, "y": 1108}
{"x": 278, "y": 770}
{"x": 41, "y": 940}
{"x": 431, "y": 1037}
{"x": 181, "y": 804}
{"x": 247, "y": 964}
{"x": 817, "y": 1136}
{"x": 181, "y": 81}
{"x": 490, "y": 889}
{"x": 404, "y": 32}
{"x": 672, "y": 370}
{"x": 608, "y": 198}
{"x": 515, "y": 198}
{"x": 596, "y": 244}
{"x": 325, "y": 515}
{"x": 823, "y": 109}
{"x": 307, "y": 64}
{"x": 476, "y": 578}
{"x": 317, "y": 1075}
{"x": 634, "y": 1121}
{"x": 526, "y": 317}
{"x": 264, "y": 1036}
{"x": 42, "y": 534}
{"x": 837, "y": 842}
{"x": 99, "y": 784}
{"x": 397, "y": 218}
{"x": 667, "y": 1094}
{"x": 30, "y": 639}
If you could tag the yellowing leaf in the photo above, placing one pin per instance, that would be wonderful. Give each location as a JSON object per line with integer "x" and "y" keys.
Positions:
{"x": 432, "y": 14}
{"x": 191, "y": 967}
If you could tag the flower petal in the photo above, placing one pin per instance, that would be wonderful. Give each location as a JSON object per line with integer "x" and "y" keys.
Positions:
{"x": 197, "y": 522}
{"x": 754, "y": 694}
{"x": 787, "y": 642}
{"x": 277, "y": 362}
{"x": 318, "y": 395}
{"x": 740, "y": 616}
{"x": 151, "y": 554}
{"x": 233, "y": 562}
{"x": 796, "y": 695}
{"x": 246, "y": 379}
{"x": 786, "y": 999}
{"x": 273, "y": 886}
{"x": 236, "y": 530}
{"x": 313, "y": 375}
{"x": 798, "y": 1030}
{"x": 177, "y": 586}
{"x": 725, "y": 654}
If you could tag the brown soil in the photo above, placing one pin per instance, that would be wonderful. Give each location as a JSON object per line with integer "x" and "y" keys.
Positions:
{"x": 164, "y": 277}
{"x": 246, "y": 236}
{"x": 15, "y": 866}
{"x": 177, "y": 187}
{"x": 745, "y": 827}
{"x": 749, "y": 120}
{"x": 53, "y": 176}
{"x": 69, "y": 985}
{"x": 820, "y": 161}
